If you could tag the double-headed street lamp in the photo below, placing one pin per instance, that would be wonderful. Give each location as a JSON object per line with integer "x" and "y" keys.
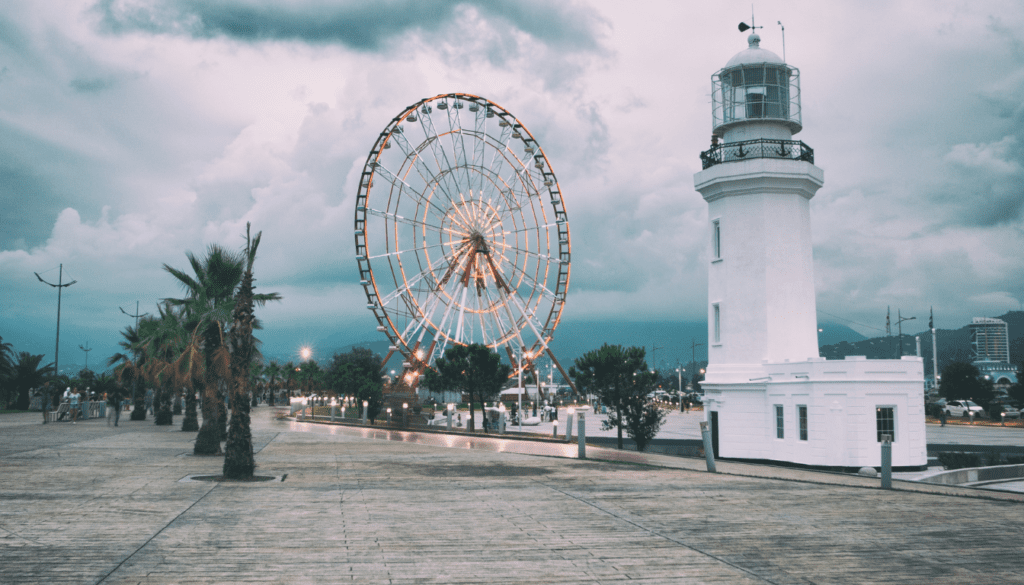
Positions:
{"x": 59, "y": 286}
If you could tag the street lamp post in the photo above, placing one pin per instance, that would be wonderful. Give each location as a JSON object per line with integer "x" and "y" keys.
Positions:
{"x": 86, "y": 349}
{"x": 135, "y": 378}
{"x": 59, "y": 286}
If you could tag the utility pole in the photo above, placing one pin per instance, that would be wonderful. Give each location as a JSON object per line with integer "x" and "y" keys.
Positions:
{"x": 86, "y": 349}
{"x": 59, "y": 286}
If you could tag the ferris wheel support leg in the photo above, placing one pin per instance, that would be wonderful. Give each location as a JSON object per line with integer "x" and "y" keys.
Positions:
{"x": 562, "y": 371}
{"x": 384, "y": 364}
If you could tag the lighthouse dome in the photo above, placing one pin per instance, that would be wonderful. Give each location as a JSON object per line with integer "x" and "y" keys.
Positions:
{"x": 756, "y": 88}
{"x": 754, "y": 54}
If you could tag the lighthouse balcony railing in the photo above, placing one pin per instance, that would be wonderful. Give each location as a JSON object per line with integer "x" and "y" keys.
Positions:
{"x": 761, "y": 148}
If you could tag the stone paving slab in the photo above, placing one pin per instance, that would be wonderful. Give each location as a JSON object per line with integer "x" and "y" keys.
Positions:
{"x": 94, "y": 504}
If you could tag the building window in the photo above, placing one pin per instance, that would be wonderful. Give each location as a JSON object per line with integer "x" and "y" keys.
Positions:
{"x": 802, "y": 413}
{"x": 716, "y": 240}
{"x": 885, "y": 422}
{"x": 780, "y": 423}
{"x": 717, "y": 320}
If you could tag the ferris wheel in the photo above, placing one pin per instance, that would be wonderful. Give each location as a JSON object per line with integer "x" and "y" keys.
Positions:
{"x": 461, "y": 233}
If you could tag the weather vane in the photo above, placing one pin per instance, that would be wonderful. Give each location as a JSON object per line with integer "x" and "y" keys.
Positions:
{"x": 743, "y": 26}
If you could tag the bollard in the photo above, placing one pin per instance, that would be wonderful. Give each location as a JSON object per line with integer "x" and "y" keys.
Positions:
{"x": 971, "y": 414}
{"x": 582, "y": 436}
{"x": 449, "y": 418}
{"x": 886, "y": 462}
{"x": 389, "y": 417}
{"x": 568, "y": 426}
{"x": 366, "y": 406}
{"x": 709, "y": 452}
{"x": 501, "y": 423}
{"x": 405, "y": 414}
{"x": 554, "y": 428}
{"x": 334, "y": 411}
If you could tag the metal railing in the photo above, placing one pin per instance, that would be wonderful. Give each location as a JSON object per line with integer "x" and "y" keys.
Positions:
{"x": 761, "y": 148}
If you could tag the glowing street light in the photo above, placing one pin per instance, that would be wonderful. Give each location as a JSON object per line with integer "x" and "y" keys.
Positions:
{"x": 305, "y": 353}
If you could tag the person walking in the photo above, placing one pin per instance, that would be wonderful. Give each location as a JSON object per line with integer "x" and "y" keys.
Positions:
{"x": 73, "y": 399}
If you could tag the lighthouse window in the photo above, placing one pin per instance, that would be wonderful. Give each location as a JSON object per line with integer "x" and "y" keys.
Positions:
{"x": 780, "y": 423}
{"x": 717, "y": 334}
{"x": 802, "y": 412}
{"x": 716, "y": 240}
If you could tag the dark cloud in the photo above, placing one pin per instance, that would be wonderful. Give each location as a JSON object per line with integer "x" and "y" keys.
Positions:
{"x": 91, "y": 84}
{"x": 362, "y": 25}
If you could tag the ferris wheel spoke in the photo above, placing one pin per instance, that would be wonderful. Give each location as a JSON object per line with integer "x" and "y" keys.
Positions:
{"x": 529, "y": 320}
{"x": 434, "y": 143}
{"x": 401, "y": 219}
{"x": 404, "y": 187}
{"x": 407, "y": 250}
{"x": 459, "y": 145}
{"x": 422, "y": 169}
{"x": 412, "y": 281}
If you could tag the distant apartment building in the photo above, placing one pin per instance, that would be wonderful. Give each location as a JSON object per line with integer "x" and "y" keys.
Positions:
{"x": 990, "y": 341}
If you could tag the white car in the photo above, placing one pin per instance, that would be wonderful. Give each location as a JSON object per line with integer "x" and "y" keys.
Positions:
{"x": 963, "y": 408}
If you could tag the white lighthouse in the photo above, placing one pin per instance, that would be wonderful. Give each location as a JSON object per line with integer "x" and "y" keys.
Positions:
{"x": 768, "y": 394}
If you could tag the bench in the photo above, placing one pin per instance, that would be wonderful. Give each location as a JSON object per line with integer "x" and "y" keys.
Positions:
{"x": 55, "y": 415}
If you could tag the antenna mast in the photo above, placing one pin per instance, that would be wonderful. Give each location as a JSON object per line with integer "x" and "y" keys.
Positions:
{"x": 783, "y": 41}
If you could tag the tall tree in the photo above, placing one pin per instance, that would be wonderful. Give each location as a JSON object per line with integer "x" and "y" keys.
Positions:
{"x": 621, "y": 380}
{"x": 209, "y": 301}
{"x": 473, "y": 369}
{"x": 963, "y": 381}
{"x": 357, "y": 373}
{"x": 239, "y": 462}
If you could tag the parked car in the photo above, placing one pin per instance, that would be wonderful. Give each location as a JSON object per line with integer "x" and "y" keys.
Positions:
{"x": 1003, "y": 408}
{"x": 963, "y": 408}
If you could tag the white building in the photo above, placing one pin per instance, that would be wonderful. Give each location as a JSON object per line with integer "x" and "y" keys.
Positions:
{"x": 768, "y": 394}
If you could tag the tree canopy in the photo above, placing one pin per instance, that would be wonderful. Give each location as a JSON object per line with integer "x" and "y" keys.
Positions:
{"x": 963, "y": 381}
{"x": 620, "y": 379}
{"x": 357, "y": 373}
{"x": 473, "y": 369}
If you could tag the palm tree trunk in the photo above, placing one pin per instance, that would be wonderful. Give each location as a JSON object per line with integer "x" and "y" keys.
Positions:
{"x": 208, "y": 439}
{"x": 163, "y": 406}
{"x": 176, "y": 402}
{"x": 239, "y": 462}
{"x": 222, "y": 410}
{"x": 139, "y": 404}
{"x": 190, "y": 423}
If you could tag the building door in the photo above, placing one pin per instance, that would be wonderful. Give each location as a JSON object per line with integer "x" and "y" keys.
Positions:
{"x": 714, "y": 433}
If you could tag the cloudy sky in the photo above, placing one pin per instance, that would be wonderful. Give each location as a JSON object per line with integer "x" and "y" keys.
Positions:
{"x": 132, "y": 131}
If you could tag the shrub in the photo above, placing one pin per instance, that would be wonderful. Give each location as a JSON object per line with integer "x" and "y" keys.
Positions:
{"x": 954, "y": 460}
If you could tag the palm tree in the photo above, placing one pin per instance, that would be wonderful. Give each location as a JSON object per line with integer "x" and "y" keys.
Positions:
{"x": 27, "y": 375}
{"x": 164, "y": 341}
{"x": 208, "y": 305}
{"x": 273, "y": 373}
{"x": 7, "y": 358}
{"x": 129, "y": 367}
{"x": 239, "y": 462}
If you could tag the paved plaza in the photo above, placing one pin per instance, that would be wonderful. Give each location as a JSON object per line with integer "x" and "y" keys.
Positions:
{"x": 89, "y": 503}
